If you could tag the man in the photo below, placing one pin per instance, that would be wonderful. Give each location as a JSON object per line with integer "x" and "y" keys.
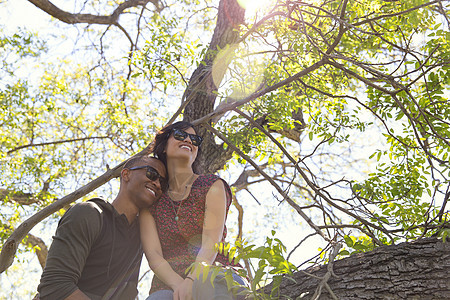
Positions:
{"x": 96, "y": 251}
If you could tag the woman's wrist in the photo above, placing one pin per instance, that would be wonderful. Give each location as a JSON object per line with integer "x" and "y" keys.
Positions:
{"x": 176, "y": 283}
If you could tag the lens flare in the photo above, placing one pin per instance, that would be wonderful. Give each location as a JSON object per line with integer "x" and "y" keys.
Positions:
{"x": 251, "y": 6}
{"x": 239, "y": 71}
{"x": 221, "y": 62}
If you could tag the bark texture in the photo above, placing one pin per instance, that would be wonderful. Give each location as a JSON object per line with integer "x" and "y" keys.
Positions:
{"x": 201, "y": 93}
{"x": 417, "y": 270}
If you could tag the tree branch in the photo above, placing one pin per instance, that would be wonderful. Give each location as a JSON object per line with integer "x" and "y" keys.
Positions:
{"x": 76, "y": 18}
{"x": 18, "y": 197}
{"x": 38, "y": 246}
{"x": 55, "y": 143}
{"x": 318, "y": 191}
{"x": 231, "y": 104}
{"x": 10, "y": 247}
{"x": 274, "y": 184}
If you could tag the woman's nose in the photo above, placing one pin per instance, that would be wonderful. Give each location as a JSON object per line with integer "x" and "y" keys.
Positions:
{"x": 188, "y": 138}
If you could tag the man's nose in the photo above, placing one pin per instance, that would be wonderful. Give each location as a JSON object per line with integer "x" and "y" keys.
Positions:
{"x": 157, "y": 182}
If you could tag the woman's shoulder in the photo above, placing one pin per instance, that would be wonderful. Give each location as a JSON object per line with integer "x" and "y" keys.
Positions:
{"x": 209, "y": 176}
{"x": 207, "y": 179}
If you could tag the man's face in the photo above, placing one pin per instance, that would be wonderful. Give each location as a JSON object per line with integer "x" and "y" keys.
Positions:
{"x": 146, "y": 181}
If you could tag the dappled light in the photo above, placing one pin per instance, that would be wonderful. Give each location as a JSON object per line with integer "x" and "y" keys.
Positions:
{"x": 329, "y": 120}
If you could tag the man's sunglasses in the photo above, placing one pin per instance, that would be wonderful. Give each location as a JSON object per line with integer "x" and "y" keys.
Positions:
{"x": 153, "y": 174}
{"x": 181, "y": 135}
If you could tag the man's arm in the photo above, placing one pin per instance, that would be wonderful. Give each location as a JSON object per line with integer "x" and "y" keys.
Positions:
{"x": 77, "y": 231}
{"x": 77, "y": 295}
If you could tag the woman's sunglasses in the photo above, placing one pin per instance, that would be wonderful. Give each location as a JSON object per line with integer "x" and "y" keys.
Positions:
{"x": 181, "y": 135}
{"x": 153, "y": 174}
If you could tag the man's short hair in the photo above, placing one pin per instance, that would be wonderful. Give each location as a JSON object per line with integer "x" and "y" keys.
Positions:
{"x": 138, "y": 160}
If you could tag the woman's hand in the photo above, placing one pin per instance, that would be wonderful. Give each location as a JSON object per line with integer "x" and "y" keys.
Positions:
{"x": 184, "y": 290}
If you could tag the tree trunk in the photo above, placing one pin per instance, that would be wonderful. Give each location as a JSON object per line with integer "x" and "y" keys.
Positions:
{"x": 416, "y": 270}
{"x": 202, "y": 89}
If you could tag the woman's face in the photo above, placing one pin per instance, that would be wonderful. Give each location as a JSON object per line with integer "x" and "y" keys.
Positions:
{"x": 184, "y": 148}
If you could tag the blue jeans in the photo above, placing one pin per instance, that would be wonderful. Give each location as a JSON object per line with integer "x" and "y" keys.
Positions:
{"x": 205, "y": 291}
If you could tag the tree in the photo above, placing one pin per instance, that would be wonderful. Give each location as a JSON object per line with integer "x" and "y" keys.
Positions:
{"x": 287, "y": 96}
{"x": 417, "y": 270}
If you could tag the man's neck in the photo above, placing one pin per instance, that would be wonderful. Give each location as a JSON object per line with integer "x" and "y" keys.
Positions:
{"x": 124, "y": 207}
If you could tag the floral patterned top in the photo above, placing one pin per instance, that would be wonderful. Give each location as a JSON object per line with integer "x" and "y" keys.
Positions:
{"x": 181, "y": 240}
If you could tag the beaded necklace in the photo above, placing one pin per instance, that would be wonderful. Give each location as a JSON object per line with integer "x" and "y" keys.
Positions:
{"x": 169, "y": 193}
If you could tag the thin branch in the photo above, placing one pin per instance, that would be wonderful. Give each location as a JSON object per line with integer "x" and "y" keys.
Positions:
{"x": 328, "y": 274}
{"x": 55, "y": 143}
{"x": 396, "y": 14}
{"x": 313, "y": 186}
{"x": 232, "y": 103}
{"x": 270, "y": 179}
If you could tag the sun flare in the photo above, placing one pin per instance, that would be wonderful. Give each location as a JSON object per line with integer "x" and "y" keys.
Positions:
{"x": 252, "y": 6}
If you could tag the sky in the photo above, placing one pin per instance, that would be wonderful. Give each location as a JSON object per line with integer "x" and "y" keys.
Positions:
{"x": 21, "y": 13}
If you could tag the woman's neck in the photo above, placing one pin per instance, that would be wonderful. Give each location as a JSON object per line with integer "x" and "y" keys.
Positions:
{"x": 179, "y": 176}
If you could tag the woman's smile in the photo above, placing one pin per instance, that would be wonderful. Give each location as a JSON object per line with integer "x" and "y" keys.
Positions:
{"x": 186, "y": 146}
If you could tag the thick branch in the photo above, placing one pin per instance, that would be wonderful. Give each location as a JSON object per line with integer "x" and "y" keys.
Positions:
{"x": 10, "y": 247}
{"x": 36, "y": 243}
{"x": 18, "y": 197}
{"x": 231, "y": 104}
{"x": 72, "y": 18}
{"x": 40, "y": 248}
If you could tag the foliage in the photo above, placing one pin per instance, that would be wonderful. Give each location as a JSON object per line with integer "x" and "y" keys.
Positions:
{"x": 342, "y": 104}
{"x": 267, "y": 263}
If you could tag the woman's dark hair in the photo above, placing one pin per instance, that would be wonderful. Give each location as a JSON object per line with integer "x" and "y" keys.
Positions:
{"x": 161, "y": 138}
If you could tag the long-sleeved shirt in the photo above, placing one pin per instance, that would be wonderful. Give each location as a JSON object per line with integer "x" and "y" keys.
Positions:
{"x": 95, "y": 250}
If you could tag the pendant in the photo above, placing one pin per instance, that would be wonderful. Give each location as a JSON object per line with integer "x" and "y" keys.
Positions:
{"x": 176, "y": 218}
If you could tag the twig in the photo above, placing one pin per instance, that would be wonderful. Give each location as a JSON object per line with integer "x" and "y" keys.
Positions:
{"x": 324, "y": 282}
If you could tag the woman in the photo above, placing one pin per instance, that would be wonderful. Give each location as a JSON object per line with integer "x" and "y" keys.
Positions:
{"x": 186, "y": 223}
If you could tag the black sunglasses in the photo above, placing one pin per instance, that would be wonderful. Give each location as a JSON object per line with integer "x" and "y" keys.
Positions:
{"x": 153, "y": 174}
{"x": 181, "y": 135}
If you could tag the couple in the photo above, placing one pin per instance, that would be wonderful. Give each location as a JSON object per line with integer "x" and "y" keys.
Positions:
{"x": 163, "y": 209}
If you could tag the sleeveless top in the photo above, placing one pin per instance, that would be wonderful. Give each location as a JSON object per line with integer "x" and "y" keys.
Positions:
{"x": 181, "y": 240}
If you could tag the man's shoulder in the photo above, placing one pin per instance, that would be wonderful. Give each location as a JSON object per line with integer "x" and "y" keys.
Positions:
{"x": 87, "y": 210}
{"x": 85, "y": 218}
